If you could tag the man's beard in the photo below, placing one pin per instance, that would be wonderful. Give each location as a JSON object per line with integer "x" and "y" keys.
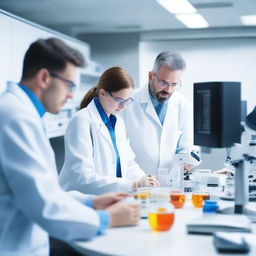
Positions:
{"x": 162, "y": 99}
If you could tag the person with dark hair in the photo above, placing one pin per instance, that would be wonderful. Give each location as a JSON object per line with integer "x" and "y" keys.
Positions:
{"x": 159, "y": 124}
{"x": 98, "y": 157}
{"x": 32, "y": 204}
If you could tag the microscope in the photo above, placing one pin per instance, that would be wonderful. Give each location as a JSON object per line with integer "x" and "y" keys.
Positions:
{"x": 217, "y": 123}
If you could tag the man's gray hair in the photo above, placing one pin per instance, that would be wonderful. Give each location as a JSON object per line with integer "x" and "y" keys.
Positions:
{"x": 173, "y": 61}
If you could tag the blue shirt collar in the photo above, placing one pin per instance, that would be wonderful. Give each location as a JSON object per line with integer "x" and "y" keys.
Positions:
{"x": 155, "y": 101}
{"x": 111, "y": 120}
{"x": 38, "y": 105}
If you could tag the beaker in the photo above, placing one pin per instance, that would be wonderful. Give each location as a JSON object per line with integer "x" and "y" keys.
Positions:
{"x": 142, "y": 196}
{"x": 177, "y": 195}
{"x": 177, "y": 198}
{"x": 163, "y": 177}
{"x": 161, "y": 212}
{"x": 199, "y": 195}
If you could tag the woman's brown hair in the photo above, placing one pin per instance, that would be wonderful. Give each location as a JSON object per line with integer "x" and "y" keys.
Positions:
{"x": 112, "y": 80}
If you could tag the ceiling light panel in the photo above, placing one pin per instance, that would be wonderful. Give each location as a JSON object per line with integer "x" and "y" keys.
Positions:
{"x": 193, "y": 20}
{"x": 177, "y": 6}
{"x": 249, "y": 20}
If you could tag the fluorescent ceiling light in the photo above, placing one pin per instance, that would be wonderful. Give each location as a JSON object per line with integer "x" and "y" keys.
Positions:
{"x": 193, "y": 20}
{"x": 249, "y": 20}
{"x": 177, "y": 6}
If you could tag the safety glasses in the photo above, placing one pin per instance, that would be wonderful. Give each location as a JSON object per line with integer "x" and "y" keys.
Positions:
{"x": 71, "y": 85}
{"x": 121, "y": 101}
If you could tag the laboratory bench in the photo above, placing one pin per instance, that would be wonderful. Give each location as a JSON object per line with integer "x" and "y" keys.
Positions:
{"x": 140, "y": 240}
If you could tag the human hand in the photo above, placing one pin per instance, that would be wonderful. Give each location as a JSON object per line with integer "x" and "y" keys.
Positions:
{"x": 103, "y": 201}
{"x": 188, "y": 167}
{"x": 224, "y": 171}
{"x": 146, "y": 181}
{"x": 123, "y": 214}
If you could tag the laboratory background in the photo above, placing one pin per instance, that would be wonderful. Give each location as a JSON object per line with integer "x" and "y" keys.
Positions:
{"x": 221, "y": 47}
{"x": 217, "y": 39}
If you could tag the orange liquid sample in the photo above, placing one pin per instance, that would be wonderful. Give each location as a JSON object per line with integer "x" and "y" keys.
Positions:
{"x": 161, "y": 221}
{"x": 198, "y": 199}
{"x": 178, "y": 200}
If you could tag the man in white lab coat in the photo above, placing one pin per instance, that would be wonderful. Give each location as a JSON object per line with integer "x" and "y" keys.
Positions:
{"x": 32, "y": 204}
{"x": 159, "y": 122}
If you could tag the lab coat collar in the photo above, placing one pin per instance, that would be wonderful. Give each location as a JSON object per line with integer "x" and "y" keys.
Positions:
{"x": 110, "y": 121}
{"x": 146, "y": 102}
{"x": 37, "y": 104}
{"x": 16, "y": 90}
{"x": 95, "y": 116}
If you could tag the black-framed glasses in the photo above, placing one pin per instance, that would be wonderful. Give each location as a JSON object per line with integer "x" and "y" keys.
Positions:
{"x": 121, "y": 101}
{"x": 163, "y": 83}
{"x": 72, "y": 85}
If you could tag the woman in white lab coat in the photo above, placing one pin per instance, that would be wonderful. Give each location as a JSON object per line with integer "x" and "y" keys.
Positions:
{"x": 98, "y": 157}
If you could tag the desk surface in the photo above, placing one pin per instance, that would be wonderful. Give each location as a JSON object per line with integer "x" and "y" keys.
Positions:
{"x": 141, "y": 241}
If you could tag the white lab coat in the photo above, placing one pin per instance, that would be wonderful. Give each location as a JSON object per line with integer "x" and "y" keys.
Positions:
{"x": 154, "y": 143}
{"x": 90, "y": 158}
{"x": 32, "y": 203}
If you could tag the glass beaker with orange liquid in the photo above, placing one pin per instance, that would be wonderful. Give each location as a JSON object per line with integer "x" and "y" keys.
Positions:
{"x": 161, "y": 213}
{"x": 177, "y": 195}
{"x": 199, "y": 194}
{"x": 177, "y": 198}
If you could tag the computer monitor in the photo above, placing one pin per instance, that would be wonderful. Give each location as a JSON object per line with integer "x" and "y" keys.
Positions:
{"x": 217, "y": 114}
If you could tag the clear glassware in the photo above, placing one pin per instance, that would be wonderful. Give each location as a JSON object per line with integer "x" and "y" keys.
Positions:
{"x": 177, "y": 194}
{"x": 199, "y": 195}
{"x": 161, "y": 212}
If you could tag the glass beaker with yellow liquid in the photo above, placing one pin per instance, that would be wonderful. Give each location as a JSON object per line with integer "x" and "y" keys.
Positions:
{"x": 142, "y": 196}
{"x": 161, "y": 212}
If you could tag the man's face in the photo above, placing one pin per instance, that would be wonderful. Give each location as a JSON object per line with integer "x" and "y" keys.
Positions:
{"x": 59, "y": 89}
{"x": 167, "y": 77}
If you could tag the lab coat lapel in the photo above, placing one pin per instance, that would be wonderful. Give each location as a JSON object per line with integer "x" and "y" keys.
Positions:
{"x": 15, "y": 89}
{"x": 170, "y": 129}
{"x": 95, "y": 116}
{"x": 147, "y": 104}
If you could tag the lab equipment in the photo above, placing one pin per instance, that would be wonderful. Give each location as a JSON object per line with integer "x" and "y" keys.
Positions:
{"x": 219, "y": 222}
{"x": 230, "y": 243}
{"x": 163, "y": 177}
{"x": 161, "y": 213}
{"x": 230, "y": 186}
{"x": 217, "y": 113}
{"x": 210, "y": 206}
{"x": 217, "y": 124}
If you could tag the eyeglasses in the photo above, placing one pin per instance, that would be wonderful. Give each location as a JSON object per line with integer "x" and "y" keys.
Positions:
{"x": 121, "y": 101}
{"x": 71, "y": 84}
{"x": 163, "y": 83}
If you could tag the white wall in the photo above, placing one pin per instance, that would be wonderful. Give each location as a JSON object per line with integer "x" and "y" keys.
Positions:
{"x": 115, "y": 49}
{"x": 16, "y": 36}
{"x": 229, "y": 59}
{"x": 208, "y": 60}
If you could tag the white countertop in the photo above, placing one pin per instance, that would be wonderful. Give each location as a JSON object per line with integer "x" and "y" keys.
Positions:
{"x": 140, "y": 240}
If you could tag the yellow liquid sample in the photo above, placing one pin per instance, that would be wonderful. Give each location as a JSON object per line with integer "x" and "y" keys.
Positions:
{"x": 161, "y": 221}
{"x": 198, "y": 199}
{"x": 142, "y": 195}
